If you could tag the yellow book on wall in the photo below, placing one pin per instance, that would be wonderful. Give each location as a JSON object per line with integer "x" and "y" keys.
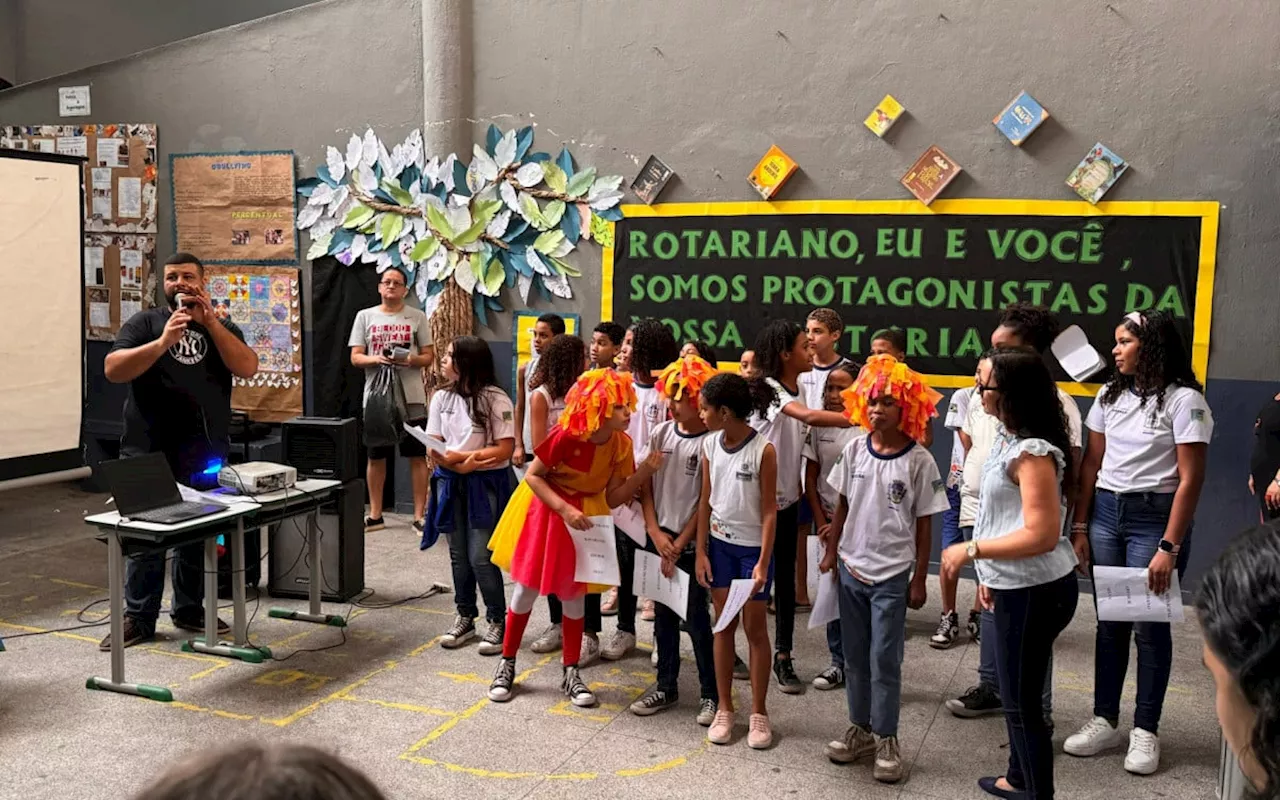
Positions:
{"x": 882, "y": 117}
{"x": 772, "y": 171}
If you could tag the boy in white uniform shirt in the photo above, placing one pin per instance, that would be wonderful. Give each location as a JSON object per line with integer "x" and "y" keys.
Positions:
{"x": 889, "y": 488}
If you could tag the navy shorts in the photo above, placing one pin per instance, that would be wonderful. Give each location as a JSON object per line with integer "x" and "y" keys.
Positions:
{"x": 805, "y": 515}
{"x": 951, "y": 533}
{"x": 730, "y": 562}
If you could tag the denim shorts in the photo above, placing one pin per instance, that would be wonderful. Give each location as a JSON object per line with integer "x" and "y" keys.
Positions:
{"x": 730, "y": 562}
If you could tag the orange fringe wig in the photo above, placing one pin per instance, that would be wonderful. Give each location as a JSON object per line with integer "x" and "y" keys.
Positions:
{"x": 885, "y": 375}
{"x": 685, "y": 378}
{"x": 591, "y": 401}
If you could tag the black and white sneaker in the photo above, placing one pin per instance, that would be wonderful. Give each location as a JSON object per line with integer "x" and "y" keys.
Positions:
{"x": 463, "y": 631}
{"x": 830, "y": 678}
{"x": 979, "y": 701}
{"x": 947, "y": 633}
{"x": 975, "y": 625}
{"x": 786, "y": 675}
{"x": 491, "y": 643}
{"x": 652, "y": 703}
{"x": 373, "y": 524}
{"x": 504, "y": 679}
{"x": 575, "y": 689}
{"x": 707, "y": 709}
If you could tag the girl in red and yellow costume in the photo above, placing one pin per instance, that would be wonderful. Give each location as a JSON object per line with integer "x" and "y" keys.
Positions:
{"x": 582, "y": 469}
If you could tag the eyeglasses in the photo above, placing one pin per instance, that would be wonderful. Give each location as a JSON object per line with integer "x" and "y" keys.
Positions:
{"x": 984, "y": 388}
{"x": 392, "y": 284}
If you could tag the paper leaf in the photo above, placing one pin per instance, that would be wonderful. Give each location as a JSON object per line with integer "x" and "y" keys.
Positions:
{"x": 358, "y": 216}
{"x": 475, "y": 181}
{"x": 322, "y": 172}
{"x": 553, "y": 212}
{"x": 498, "y": 225}
{"x": 459, "y": 216}
{"x": 384, "y": 161}
{"x": 340, "y": 196}
{"x": 437, "y": 219}
{"x": 424, "y": 249}
{"x": 556, "y": 180}
{"x": 523, "y": 283}
{"x": 430, "y": 302}
{"x": 457, "y": 183}
{"x": 319, "y": 246}
{"x": 419, "y": 225}
{"x": 392, "y": 225}
{"x": 606, "y": 199}
{"x": 584, "y": 220}
{"x": 365, "y": 177}
{"x": 563, "y": 249}
{"x": 485, "y": 165}
{"x": 508, "y": 193}
{"x": 565, "y": 161}
{"x": 465, "y": 276}
{"x": 570, "y": 223}
{"x": 471, "y": 234}
{"x": 529, "y": 210}
{"x": 491, "y": 138}
{"x": 321, "y": 195}
{"x": 529, "y": 174}
{"x": 565, "y": 268}
{"x": 603, "y": 184}
{"x": 383, "y": 262}
{"x": 613, "y": 214}
{"x": 354, "y": 150}
{"x": 324, "y": 227}
{"x": 602, "y": 231}
{"x": 358, "y": 246}
{"x": 413, "y": 148}
{"x": 437, "y": 266}
{"x": 369, "y": 150}
{"x": 369, "y": 256}
{"x": 308, "y": 216}
{"x": 400, "y": 195}
{"x": 524, "y": 140}
{"x": 494, "y": 275}
{"x": 505, "y": 153}
{"x": 549, "y": 241}
{"x": 580, "y": 183}
{"x": 337, "y": 167}
{"x": 558, "y": 285}
{"x": 536, "y": 262}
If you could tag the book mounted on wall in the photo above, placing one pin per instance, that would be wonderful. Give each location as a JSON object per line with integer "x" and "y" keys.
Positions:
{"x": 1020, "y": 118}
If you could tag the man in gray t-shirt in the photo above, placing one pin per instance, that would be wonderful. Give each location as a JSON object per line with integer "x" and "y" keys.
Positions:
{"x": 376, "y": 331}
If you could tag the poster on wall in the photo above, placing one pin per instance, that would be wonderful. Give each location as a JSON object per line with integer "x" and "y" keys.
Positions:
{"x": 522, "y": 337}
{"x": 235, "y": 208}
{"x": 119, "y": 281}
{"x": 719, "y": 272}
{"x": 265, "y": 302}
{"x": 119, "y": 170}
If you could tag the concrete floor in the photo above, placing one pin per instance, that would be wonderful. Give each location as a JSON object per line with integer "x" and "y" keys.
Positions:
{"x": 415, "y": 717}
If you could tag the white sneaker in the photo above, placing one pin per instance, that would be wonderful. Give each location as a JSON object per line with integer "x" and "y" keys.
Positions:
{"x": 1096, "y": 735}
{"x": 548, "y": 641}
{"x": 590, "y": 651}
{"x": 619, "y": 645}
{"x": 1144, "y": 752}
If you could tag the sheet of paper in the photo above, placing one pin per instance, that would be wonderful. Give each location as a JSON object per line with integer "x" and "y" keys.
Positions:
{"x": 73, "y": 101}
{"x": 73, "y": 146}
{"x": 596, "y": 553}
{"x": 101, "y": 177}
{"x": 431, "y": 442}
{"x": 649, "y": 582}
{"x": 102, "y": 203}
{"x": 190, "y": 495}
{"x": 130, "y": 199}
{"x": 46, "y": 146}
{"x": 630, "y": 520}
{"x": 109, "y": 152}
{"x": 815, "y": 557}
{"x": 826, "y": 603}
{"x": 130, "y": 304}
{"x": 93, "y": 263}
{"x": 739, "y": 594}
{"x": 100, "y": 315}
{"x": 1075, "y": 354}
{"x": 1122, "y": 596}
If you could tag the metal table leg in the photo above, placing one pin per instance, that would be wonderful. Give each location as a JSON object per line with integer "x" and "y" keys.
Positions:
{"x": 316, "y": 613}
{"x": 239, "y": 621}
{"x": 210, "y": 644}
{"x": 115, "y": 582}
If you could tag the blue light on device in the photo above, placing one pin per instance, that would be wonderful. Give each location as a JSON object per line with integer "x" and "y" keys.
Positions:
{"x": 215, "y": 466}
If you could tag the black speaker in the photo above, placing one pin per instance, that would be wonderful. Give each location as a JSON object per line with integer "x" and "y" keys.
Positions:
{"x": 341, "y": 532}
{"x": 322, "y": 447}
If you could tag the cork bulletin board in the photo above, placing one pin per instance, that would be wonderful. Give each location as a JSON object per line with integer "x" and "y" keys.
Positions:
{"x": 119, "y": 281}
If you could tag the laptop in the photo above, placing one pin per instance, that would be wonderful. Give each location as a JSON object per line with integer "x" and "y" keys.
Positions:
{"x": 146, "y": 491}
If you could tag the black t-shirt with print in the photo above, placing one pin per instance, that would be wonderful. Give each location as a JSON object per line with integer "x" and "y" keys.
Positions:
{"x": 181, "y": 406}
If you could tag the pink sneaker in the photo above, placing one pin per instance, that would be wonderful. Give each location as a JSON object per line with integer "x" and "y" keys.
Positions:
{"x": 721, "y": 730}
{"x": 760, "y": 734}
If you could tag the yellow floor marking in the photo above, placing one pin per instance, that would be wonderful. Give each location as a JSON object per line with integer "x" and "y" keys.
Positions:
{"x": 679, "y": 761}
{"x": 31, "y": 598}
{"x": 434, "y": 611}
{"x": 435, "y": 712}
{"x": 338, "y": 695}
{"x": 286, "y": 677}
{"x": 215, "y": 712}
{"x": 78, "y": 585}
{"x": 468, "y": 677}
{"x": 60, "y": 635}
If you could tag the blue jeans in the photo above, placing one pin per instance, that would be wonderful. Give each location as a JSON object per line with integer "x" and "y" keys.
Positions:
{"x": 873, "y": 621}
{"x": 1027, "y": 621}
{"x": 469, "y": 556}
{"x": 988, "y": 674}
{"x": 951, "y": 520}
{"x": 144, "y": 586}
{"x": 835, "y": 643}
{"x": 666, "y": 637}
{"x": 1124, "y": 532}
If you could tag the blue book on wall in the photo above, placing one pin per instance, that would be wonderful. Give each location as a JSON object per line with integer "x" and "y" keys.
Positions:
{"x": 1020, "y": 118}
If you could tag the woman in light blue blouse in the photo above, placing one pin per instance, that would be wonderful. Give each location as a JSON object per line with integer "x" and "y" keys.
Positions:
{"x": 1024, "y": 563}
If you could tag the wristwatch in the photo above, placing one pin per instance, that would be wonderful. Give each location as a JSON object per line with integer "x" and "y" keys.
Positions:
{"x": 972, "y": 550}
{"x": 1169, "y": 547}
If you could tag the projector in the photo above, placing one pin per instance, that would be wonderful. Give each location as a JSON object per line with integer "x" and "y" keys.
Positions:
{"x": 257, "y": 477}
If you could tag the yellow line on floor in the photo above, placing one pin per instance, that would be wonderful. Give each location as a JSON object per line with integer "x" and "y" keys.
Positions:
{"x": 215, "y": 712}
{"x": 59, "y": 634}
{"x": 663, "y": 767}
{"x": 435, "y": 712}
{"x": 77, "y": 584}
{"x": 338, "y": 695}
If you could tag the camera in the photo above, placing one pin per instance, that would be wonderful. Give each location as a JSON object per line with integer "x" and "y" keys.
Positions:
{"x": 398, "y": 354}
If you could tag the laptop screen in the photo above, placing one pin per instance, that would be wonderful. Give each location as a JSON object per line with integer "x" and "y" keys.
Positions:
{"x": 141, "y": 483}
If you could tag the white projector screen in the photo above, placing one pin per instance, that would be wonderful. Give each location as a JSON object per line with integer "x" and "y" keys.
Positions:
{"x": 42, "y": 324}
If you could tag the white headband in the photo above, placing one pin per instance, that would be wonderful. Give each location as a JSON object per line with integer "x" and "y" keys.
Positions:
{"x": 1136, "y": 318}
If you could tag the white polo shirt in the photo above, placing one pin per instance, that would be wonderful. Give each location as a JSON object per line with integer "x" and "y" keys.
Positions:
{"x": 786, "y": 434}
{"x": 677, "y": 485}
{"x": 1142, "y": 452}
{"x": 823, "y": 446}
{"x": 449, "y": 418}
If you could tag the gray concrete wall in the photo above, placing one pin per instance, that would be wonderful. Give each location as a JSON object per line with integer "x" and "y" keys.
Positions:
{"x": 58, "y": 36}
{"x": 1181, "y": 89}
{"x": 9, "y": 40}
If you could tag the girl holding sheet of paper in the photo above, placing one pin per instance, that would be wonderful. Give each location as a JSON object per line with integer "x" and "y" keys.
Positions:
{"x": 584, "y": 468}
{"x": 737, "y": 519}
{"x": 1149, "y": 432}
{"x": 669, "y": 502}
{"x": 471, "y": 484}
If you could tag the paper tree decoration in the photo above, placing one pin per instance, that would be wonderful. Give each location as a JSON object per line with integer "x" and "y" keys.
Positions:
{"x": 508, "y": 218}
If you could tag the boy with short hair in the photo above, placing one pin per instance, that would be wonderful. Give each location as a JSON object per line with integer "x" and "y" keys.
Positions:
{"x": 545, "y": 329}
{"x": 889, "y": 488}
{"x": 606, "y": 344}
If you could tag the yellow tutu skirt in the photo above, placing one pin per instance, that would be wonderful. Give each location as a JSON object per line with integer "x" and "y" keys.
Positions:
{"x": 533, "y": 545}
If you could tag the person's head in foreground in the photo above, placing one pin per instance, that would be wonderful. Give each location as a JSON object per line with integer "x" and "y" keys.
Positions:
{"x": 1239, "y": 606}
{"x": 600, "y": 403}
{"x": 261, "y": 771}
{"x": 888, "y": 395}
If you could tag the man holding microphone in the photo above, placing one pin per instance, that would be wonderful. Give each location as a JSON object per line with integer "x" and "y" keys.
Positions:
{"x": 178, "y": 361}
